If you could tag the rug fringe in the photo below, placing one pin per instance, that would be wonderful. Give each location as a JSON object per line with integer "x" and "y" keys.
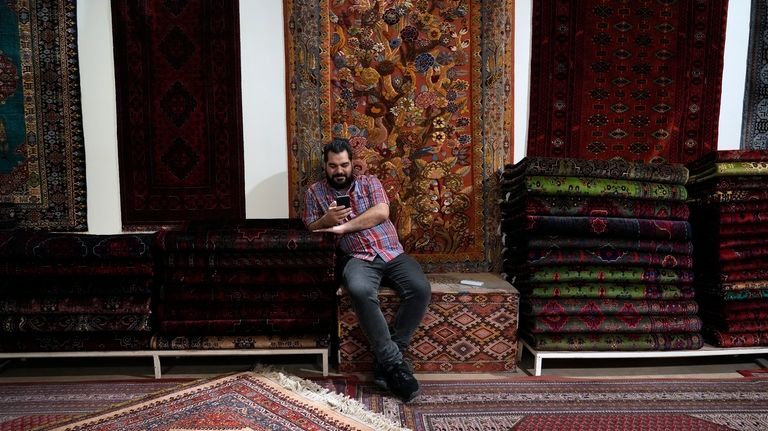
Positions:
{"x": 338, "y": 402}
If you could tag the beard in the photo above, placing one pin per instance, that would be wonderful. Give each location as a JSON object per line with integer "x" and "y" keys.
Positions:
{"x": 339, "y": 181}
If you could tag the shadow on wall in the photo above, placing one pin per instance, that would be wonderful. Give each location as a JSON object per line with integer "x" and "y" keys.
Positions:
{"x": 268, "y": 198}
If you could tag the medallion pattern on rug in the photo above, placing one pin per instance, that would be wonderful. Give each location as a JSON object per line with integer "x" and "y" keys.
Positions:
{"x": 179, "y": 116}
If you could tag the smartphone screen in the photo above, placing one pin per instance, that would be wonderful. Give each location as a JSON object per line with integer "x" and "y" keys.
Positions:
{"x": 343, "y": 201}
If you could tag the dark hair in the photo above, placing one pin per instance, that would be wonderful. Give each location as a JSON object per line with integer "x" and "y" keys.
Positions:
{"x": 337, "y": 146}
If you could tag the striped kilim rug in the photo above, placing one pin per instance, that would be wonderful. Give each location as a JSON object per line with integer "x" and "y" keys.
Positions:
{"x": 25, "y": 406}
{"x": 532, "y": 403}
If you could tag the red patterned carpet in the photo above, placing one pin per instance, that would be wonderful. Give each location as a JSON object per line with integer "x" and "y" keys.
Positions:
{"x": 249, "y": 400}
{"x": 243, "y": 401}
{"x": 25, "y": 406}
{"x": 568, "y": 404}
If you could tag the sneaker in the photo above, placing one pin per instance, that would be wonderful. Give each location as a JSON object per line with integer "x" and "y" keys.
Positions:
{"x": 379, "y": 377}
{"x": 401, "y": 382}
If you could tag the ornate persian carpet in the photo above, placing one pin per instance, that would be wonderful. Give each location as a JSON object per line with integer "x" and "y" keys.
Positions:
{"x": 575, "y": 404}
{"x": 754, "y": 126}
{"x": 620, "y": 80}
{"x": 26, "y": 406}
{"x": 244, "y": 401}
{"x": 180, "y": 145}
{"x": 42, "y": 157}
{"x": 423, "y": 91}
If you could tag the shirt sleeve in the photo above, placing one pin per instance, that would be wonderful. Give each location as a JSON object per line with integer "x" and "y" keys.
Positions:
{"x": 312, "y": 208}
{"x": 376, "y": 191}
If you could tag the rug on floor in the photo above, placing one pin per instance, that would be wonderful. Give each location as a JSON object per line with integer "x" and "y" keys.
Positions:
{"x": 242, "y": 401}
{"x": 29, "y": 405}
{"x": 533, "y": 403}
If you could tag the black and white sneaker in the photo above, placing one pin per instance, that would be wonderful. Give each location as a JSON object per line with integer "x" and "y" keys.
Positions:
{"x": 401, "y": 382}
{"x": 379, "y": 377}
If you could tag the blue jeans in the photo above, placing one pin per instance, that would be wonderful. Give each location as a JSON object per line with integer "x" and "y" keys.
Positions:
{"x": 362, "y": 280}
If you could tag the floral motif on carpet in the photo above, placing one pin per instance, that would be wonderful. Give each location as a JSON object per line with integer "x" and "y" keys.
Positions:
{"x": 248, "y": 400}
{"x": 42, "y": 156}
{"x": 423, "y": 92}
{"x": 638, "y": 80}
{"x": 576, "y": 404}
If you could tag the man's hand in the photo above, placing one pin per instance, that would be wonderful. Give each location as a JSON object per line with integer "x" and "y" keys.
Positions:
{"x": 336, "y": 215}
{"x": 370, "y": 218}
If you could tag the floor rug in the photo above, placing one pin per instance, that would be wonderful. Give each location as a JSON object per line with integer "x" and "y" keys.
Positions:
{"x": 179, "y": 115}
{"x": 423, "y": 92}
{"x": 26, "y": 406}
{"x": 620, "y": 79}
{"x": 242, "y": 401}
{"x": 42, "y": 155}
{"x": 560, "y": 404}
{"x": 761, "y": 373}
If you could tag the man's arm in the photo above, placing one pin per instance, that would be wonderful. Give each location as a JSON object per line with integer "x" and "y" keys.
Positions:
{"x": 332, "y": 217}
{"x": 371, "y": 217}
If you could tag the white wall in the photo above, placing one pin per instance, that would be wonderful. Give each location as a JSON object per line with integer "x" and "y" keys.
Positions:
{"x": 265, "y": 130}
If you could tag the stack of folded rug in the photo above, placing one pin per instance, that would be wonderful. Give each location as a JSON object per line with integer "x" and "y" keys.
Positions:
{"x": 253, "y": 284}
{"x": 74, "y": 292}
{"x": 601, "y": 253}
{"x": 729, "y": 202}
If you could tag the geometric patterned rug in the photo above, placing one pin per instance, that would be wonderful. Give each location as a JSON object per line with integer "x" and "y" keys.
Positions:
{"x": 275, "y": 401}
{"x": 31, "y": 405}
{"x": 533, "y": 403}
{"x": 179, "y": 122}
{"x": 640, "y": 80}
{"x": 243, "y": 401}
{"x": 42, "y": 154}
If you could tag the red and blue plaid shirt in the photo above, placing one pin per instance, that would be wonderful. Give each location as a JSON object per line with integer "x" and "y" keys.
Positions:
{"x": 366, "y": 191}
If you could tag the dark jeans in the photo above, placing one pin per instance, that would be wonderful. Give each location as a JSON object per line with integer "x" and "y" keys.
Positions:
{"x": 362, "y": 280}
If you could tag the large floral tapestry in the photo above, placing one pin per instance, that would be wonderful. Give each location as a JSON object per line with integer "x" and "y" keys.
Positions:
{"x": 423, "y": 91}
{"x": 639, "y": 80}
{"x": 754, "y": 126}
{"x": 42, "y": 158}
{"x": 179, "y": 116}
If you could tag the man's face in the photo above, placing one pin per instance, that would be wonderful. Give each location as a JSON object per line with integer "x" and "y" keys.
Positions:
{"x": 338, "y": 170}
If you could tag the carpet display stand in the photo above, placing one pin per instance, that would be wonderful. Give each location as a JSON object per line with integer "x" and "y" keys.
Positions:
{"x": 707, "y": 350}
{"x": 157, "y": 354}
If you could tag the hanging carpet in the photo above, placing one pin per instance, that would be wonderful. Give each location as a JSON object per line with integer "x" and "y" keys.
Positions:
{"x": 42, "y": 155}
{"x": 637, "y": 80}
{"x": 754, "y": 124}
{"x": 179, "y": 119}
{"x": 423, "y": 92}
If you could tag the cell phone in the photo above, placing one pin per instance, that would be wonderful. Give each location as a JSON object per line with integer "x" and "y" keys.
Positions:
{"x": 343, "y": 201}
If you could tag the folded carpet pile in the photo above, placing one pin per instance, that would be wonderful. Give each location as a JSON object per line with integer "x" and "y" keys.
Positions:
{"x": 75, "y": 292}
{"x": 729, "y": 202}
{"x": 601, "y": 252}
{"x": 252, "y": 284}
